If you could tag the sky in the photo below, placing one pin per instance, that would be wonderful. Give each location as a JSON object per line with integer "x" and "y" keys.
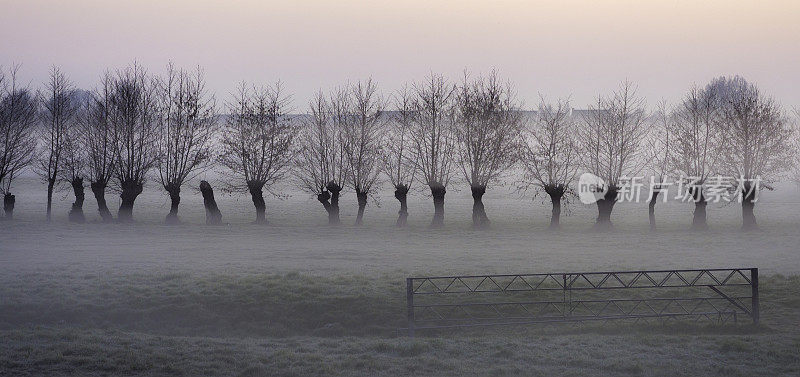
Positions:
{"x": 559, "y": 48}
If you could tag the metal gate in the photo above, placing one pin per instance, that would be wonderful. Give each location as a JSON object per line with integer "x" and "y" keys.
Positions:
{"x": 489, "y": 300}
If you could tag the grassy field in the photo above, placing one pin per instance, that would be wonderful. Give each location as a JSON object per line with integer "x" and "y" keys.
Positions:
{"x": 298, "y": 324}
{"x": 299, "y": 298}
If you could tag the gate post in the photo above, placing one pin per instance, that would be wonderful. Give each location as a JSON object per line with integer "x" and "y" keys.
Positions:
{"x": 754, "y": 284}
{"x": 410, "y": 305}
{"x": 567, "y": 307}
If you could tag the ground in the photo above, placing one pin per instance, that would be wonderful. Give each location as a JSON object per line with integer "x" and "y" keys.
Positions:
{"x": 300, "y": 298}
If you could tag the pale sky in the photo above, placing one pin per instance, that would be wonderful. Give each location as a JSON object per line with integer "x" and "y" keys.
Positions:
{"x": 557, "y": 48}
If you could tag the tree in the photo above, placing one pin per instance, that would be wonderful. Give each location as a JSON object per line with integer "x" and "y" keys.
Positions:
{"x": 134, "y": 123}
{"x": 364, "y": 121}
{"x": 99, "y": 143}
{"x": 755, "y": 137}
{"x": 58, "y": 115}
{"x": 549, "y": 153}
{"x": 213, "y": 215}
{"x": 188, "y": 124}
{"x": 397, "y": 154}
{"x": 18, "y": 110}
{"x": 257, "y": 142}
{"x": 487, "y": 128}
{"x": 432, "y": 140}
{"x": 322, "y": 159}
{"x": 74, "y": 161}
{"x": 610, "y": 141}
{"x": 696, "y": 146}
{"x": 658, "y": 153}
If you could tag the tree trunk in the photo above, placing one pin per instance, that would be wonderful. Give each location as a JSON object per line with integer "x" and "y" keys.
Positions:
{"x": 51, "y": 183}
{"x": 99, "y": 191}
{"x": 362, "y": 204}
{"x": 175, "y": 199}
{"x": 556, "y": 192}
{"x": 333, "y": 209}
{"x": 651, "y": 208}
{"x": 479, "y": 218}
{"x": 76, "y": 212}
{"x": 438, "y": 191}
{"x": 213, "y": 215}
{"x": 257, "y": 194}
{"x": 748, "y": 205}
{"x": 8, "y": 205}
{"x": 130, "y": 190}
{"x": 324, "y": 197}
{"x": 699, "y": 220}
{"x": 604, "y": 208}
{"x": 401, "y": 193}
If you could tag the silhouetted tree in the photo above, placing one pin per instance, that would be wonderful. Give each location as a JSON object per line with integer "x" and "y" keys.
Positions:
{"x": 188, "y": 124}
{"x": 433, "y": 141}
{"x": 398, "y": 151}
{"x": 658, "y": 156}
{"x": 257, "y": 142}
{"x": 363, "y": 122}
{"x": 134, "y": 123}
{"x": 610, "y": 141}
{"x": 18, "y": 110}
{"x": 213, "y": 215}
{"x": 549, "y": 154}
{"x": 487, "y": 127}
{"x": 696, "y": 145}
{"x": 57, "y": 116}
{"x": 755, "y": 137}
{"x": 98, "y": 141}
{"x": 322, "y": 159}
{"x": 74, "y": 160}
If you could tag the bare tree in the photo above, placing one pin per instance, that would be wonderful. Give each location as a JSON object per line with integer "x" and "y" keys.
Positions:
{"x": 397, "y": 154}
{"x": 755, "y": 137}
{"x": 58, "y": 115}
{"x": 610, "y": 140}
{"x": 257, "y": 142}
{"x": 549, "y": 153}
{"x": 488, "y": 122}
{"x": 188, "y": 124}
{"x": 18, "y": 110}
{"x": 134, "y": 122}
{"x": 363, "y": 127}
{"x": 74, "y": 161}
{"x": 99, "y": 142}
{"x": 213, "y": 215}
{"x": 696, "y": 146}
{"x": 658, "y": 155}
{"x": 433, "y": 141}
{"x": 322, "y": 160}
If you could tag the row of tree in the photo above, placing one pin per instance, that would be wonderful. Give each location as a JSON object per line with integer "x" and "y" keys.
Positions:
{"x": 136, "y": 125}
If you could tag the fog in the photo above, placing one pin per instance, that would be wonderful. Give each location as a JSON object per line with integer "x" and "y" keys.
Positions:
{"x": 299, "y": 239}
